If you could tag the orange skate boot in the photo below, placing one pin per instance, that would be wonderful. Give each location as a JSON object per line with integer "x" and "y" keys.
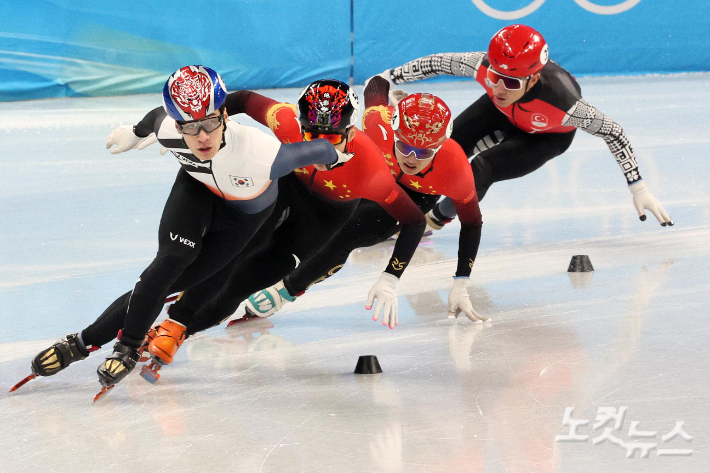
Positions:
{"x": 168, "y": 338}
{"x": 143, "y": 350}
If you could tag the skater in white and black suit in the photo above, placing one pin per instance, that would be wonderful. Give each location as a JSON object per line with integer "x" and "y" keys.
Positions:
{"x": 224, "y": 192}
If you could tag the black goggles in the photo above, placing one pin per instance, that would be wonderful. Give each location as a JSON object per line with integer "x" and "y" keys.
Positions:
{"x": 209, "y": 124}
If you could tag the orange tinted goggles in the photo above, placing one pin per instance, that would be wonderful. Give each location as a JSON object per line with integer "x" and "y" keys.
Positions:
{"x": 333, "y": 138}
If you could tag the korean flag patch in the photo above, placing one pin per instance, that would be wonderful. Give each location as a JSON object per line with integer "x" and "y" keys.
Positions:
{"x": 242, "y": 181}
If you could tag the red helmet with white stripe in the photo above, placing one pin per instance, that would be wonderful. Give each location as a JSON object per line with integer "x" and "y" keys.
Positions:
{"x": 518, "y": 51}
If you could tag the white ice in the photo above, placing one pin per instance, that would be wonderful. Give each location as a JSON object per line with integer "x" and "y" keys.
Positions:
{"x": 78, "y": 225}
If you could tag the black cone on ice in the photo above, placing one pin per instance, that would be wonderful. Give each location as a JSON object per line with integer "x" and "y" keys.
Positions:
{"x": 580, "y": 264}
{"x": 368, "y": 364}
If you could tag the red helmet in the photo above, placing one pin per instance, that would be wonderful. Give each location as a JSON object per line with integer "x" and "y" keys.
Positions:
{"x": 518, "y": 51}
{"x": 422, "y": 121}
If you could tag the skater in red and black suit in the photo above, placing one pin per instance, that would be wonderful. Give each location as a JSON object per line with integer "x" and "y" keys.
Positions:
{"x": 529, "y": 114}
{"x": 303, "y": 232}
{"x": 414, "y": 138}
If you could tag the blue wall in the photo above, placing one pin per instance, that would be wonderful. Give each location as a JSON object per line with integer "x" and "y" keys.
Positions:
{"x": 57, "y": 48}
{"x": 653, "y": 36}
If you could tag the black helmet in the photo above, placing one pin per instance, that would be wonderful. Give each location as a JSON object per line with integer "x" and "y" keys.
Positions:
{"x": 328, "y": 106}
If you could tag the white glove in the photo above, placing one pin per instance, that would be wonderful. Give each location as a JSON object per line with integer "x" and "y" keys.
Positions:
{"x": 124, "y": 139}
{"x": 385, "y": 291}
{"x": 396, "y": 96}
{"x": 459, "y": 302}
{"x": 643, "y": 199}
{"x": 342, "y": 159}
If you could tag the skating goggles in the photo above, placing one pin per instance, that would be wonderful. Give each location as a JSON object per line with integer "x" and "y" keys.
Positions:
{"x": 419, "y": 153}
{"x": 209, "y": 124}
{"x": 510, "y": 83}
{"x": 333, "y": 138}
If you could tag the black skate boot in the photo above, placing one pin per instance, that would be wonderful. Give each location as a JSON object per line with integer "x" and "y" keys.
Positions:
{"x": 55, "y": 358}
{"x": 116, "y": 367}
{"x": 118, "y": 364}
{"x": 60, "y": 355}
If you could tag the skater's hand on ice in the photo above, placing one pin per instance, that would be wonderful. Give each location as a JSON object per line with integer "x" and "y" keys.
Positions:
{"x": 124, "y": 139}
{"x": 460, "y": 302}
{"x": 643, "y": 199}
{"x": 385, "y": 291}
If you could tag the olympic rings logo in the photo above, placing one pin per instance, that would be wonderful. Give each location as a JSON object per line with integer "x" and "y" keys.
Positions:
{"x": 525, "y": 11}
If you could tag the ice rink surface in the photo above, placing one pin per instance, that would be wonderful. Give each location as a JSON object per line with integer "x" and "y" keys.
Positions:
{"x": 78, "y": 225}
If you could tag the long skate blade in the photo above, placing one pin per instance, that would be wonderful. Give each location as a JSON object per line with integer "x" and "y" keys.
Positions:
{"x": 23, "y": 382}
{"x": 245, "y": 318}
{"x": 103, "y": 391}
{"x": 150, "y": 372}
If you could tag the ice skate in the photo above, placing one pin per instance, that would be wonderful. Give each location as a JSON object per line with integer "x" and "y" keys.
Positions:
{"x": 55, "y": 358}
{"x": 146, "y": 343}
{"x": 116, "y": 367}
{"x": 267, "y": 302}
{"x": 169, "y": 337}
{"x": 248, "y": 315}
{"x": 149, "y": 372}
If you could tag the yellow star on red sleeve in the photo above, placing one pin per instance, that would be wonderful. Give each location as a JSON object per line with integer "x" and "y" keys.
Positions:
{"x": 415, "y": 184}
{"x": 329, "y": 184}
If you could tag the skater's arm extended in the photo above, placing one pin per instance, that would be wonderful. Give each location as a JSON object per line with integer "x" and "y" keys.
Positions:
{"x": 297, "y": 155}
{"x": 469, "y": 236}
{"x": 400, "y": 207}
{"x": 455, "y": 64}
{"x": 127, "y": 137}
{"x": 150, "y": 123}
{"x": 586, "y": 117}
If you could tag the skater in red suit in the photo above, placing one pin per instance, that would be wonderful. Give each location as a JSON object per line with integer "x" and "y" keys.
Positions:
{"x": 414, "y": 138}
{"x": 529, "y": 114}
